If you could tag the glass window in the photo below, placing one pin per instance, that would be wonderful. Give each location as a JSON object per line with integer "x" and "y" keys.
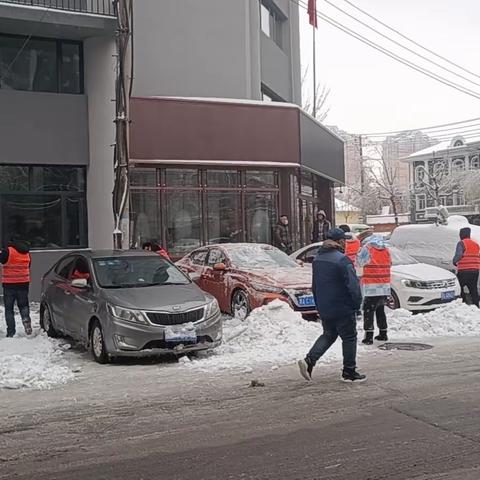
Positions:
{"x": 271, "y": 23}
{"x": 261, "y": 179}
{"x": 399, "y": 257}
{"x": 44, "y": 205}
{"x": 215, "y": 256}
{"x": 183, "y": 222}
{"x": 13, "y": 178}
{"x": 306, "y": 186}
{"x": 261, "y": 216}
{"x": 308, "y": 256}
{"x": 136, "y": 272}
{"x": 222, "y": 178}
{"x": 458, "y": 165}
{"x": 198, "y": 258}
{"x": 265, "y": 19}
{"x": 474, "y": 162}
{"x": 43, "y": 65}
{"x": 35, "y": 218}
{"x": 145, "y": 217}
{"x": 421, "y": 202}
{"x": 260, "y": 256}
{"x": 181, "y": 177}
{"x": 64, "y": 266}
{"x": 143, "y": 177}
{"x": 55, "y": 179}
{"x": 70, "y": 75}
{"x": 224, "y": 217}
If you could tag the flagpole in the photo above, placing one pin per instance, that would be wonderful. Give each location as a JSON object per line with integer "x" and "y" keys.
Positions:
{"x": 314, "y": 76}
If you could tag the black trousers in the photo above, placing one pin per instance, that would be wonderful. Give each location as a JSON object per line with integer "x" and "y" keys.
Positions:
{"x": 374, "y": 307}
{"x": 469, "y": 279}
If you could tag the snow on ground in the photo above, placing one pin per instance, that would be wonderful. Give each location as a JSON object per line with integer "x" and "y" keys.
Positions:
{"x": 272, "y": 335}
{"x": 275, "y": 335}
{"x": 31, "y": 362}
{"x": 454, "y": 319}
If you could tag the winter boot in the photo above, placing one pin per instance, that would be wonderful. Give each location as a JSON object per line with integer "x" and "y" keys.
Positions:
{"x": 28, "y": 327}
{"x": 351, "y": 375}
{"x": 306, "y": 368}
{"x": 10, "y": 334}
{"x": 382, "y": 336}
{"x": 368, "y": 339}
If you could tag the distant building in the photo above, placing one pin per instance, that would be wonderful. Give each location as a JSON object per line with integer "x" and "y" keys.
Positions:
{"x": 450, "y": 156}
{"x": 399, "y": 146}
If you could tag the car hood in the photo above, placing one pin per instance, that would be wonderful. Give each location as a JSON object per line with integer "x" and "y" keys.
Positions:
{"x": 158, "y": 298}
{"x": 300, "y": 277}
{"x": 422, "y": 271}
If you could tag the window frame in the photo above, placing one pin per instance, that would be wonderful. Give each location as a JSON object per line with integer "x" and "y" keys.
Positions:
{"x": 58, "y": 63}
{"x": 276, "y": 23}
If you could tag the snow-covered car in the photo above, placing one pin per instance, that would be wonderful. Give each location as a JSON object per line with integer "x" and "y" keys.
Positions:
{"x": 415, "y": 286}
{"x": 245, "y": 276}
{"x": 431, "y": 243}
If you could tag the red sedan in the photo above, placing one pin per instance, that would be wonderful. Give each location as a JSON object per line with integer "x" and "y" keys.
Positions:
{"x": 244, "y": 276}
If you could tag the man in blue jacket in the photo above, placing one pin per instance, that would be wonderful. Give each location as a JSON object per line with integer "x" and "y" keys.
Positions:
{"x": 338, "y": 297}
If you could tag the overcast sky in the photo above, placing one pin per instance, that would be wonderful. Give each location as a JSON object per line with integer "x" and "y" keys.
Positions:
{"x": 371, "y": 92}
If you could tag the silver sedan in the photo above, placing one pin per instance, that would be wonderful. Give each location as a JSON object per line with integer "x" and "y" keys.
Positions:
{"x": 127, "y": 303}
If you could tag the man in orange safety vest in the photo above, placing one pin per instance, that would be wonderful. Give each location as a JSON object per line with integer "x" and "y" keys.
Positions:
{"x": 467, "y": 261}
{"x": 376, "y": 262}
{"x": 352, "y": 244}
{"x": 16, "y": 282}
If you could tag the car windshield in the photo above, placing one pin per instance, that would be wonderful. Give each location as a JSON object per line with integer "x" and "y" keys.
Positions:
{"x": 401, "y": 258}
{"x": 260, "y": 256}
{"x": 135, "y": 272}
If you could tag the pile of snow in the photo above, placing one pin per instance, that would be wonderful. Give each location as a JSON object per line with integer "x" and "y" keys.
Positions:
{"x": 272, "y": 335}
{"x": 31, "y": 362}
{"x": 453, "y": 319}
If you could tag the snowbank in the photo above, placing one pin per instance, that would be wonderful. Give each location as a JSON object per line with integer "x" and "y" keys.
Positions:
{"x": 454, "y": 319}
{"x": 31, "y": 362}
{"x": 272, "y": 335}
{"x": 275, "y": 335}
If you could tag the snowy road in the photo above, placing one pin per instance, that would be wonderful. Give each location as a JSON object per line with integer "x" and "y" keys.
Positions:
{"x": 418, "y": 417}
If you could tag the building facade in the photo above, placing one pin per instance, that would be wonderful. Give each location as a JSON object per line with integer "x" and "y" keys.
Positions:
{"x": 56, "y": 131}
{"x": 438, "y": 174}
{"x": 224, "y": 170}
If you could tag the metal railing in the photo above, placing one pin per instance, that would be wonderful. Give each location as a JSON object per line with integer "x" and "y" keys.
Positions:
{"x": 96, "y": 7}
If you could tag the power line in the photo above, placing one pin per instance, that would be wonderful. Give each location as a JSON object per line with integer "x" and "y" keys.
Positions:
{"x": 391, "y": 54}
{"x": 410, "y": 39}
{"x": 393, "y": 132}
{"x": 400, "y": 44}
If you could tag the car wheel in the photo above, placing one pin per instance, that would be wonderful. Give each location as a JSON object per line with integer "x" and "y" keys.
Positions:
{"x": 392, "y": 301}
{"x": 46, "y": 322}
{"x": 97, "y": 344}
{"x": 240, "y": 306}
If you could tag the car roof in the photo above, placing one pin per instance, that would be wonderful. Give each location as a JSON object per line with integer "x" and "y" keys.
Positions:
{"x": 115, "y": 253}
{"x": 236, "y": 246}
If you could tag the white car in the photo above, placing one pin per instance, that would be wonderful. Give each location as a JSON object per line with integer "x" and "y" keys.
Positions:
{"x": 415, "y": 286}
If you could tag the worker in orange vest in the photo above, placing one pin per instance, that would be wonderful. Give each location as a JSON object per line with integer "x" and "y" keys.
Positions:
{"x": 352, "y": 244}
{"x": 467, "y": 261}
{"x": 376, "y": 262}
{"x": 16, "y": 263}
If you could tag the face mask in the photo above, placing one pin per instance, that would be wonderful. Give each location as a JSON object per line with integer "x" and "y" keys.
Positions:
{"x": 285, "y": 222}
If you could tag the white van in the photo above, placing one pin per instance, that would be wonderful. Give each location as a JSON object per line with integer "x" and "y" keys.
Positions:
{"x": 433, "y": 244}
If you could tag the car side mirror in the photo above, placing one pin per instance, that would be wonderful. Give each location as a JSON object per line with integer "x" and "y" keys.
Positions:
{"x": 299, "y": 262}
{"x": 219, "y": 267}
{"x": 80, "y": 283}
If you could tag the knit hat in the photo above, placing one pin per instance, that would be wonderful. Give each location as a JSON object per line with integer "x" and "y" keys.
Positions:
{"x": 465, "y": 232}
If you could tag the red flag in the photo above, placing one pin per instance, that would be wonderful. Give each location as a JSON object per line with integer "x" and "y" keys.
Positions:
{"x": 312, "y": 13}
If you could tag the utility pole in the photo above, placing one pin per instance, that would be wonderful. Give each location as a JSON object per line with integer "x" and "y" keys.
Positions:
{"x": 362, "y": 176}
{"x": 123, "y": 87}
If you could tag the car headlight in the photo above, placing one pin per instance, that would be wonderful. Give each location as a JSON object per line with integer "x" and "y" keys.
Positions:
{"x": 212, "y": 309}
{"x": 134, "y": 316}
{"x": 261, "y": 287}
{"x": 414, "y": 284}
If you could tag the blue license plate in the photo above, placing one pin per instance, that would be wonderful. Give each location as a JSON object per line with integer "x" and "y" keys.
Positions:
{"x": 448, "y": 295}
{"x": 180, "y": 337}
{"x": 306, "y": 301}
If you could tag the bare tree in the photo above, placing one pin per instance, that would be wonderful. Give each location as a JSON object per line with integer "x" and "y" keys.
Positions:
{"x": 385, "y": 178}
{"x": 435, "y": 181}
{"x": 322, "y": 93}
